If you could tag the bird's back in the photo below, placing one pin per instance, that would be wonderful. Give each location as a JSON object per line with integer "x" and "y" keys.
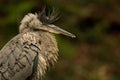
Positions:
{"x": 27, "y": 56}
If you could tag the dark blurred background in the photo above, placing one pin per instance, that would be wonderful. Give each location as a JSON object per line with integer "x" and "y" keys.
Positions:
{"x": 93, "y": 55}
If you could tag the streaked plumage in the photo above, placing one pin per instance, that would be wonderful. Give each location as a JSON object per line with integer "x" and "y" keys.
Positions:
{"x": 28, "y": 55}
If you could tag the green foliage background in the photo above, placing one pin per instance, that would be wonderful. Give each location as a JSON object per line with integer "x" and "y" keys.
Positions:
{"x": 93, "y": 55}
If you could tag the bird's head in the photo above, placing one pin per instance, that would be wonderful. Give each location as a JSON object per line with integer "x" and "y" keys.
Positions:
{"x": 42, "y": 21}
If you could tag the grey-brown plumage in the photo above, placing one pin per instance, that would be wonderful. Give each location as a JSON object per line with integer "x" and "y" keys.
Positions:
{"x": 33, "y": 50}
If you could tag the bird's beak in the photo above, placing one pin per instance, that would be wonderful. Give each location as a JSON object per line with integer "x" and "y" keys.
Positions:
{"x": 57, "y": 30}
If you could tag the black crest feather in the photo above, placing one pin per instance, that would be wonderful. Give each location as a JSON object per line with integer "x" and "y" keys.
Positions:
{"x": 49, "y": 15}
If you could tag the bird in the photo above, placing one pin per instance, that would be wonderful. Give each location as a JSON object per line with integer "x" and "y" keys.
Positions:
{"x": 34, "y": 49}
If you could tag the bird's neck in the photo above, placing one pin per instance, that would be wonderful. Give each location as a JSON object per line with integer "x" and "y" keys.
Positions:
{"x": 49, "y": 51}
